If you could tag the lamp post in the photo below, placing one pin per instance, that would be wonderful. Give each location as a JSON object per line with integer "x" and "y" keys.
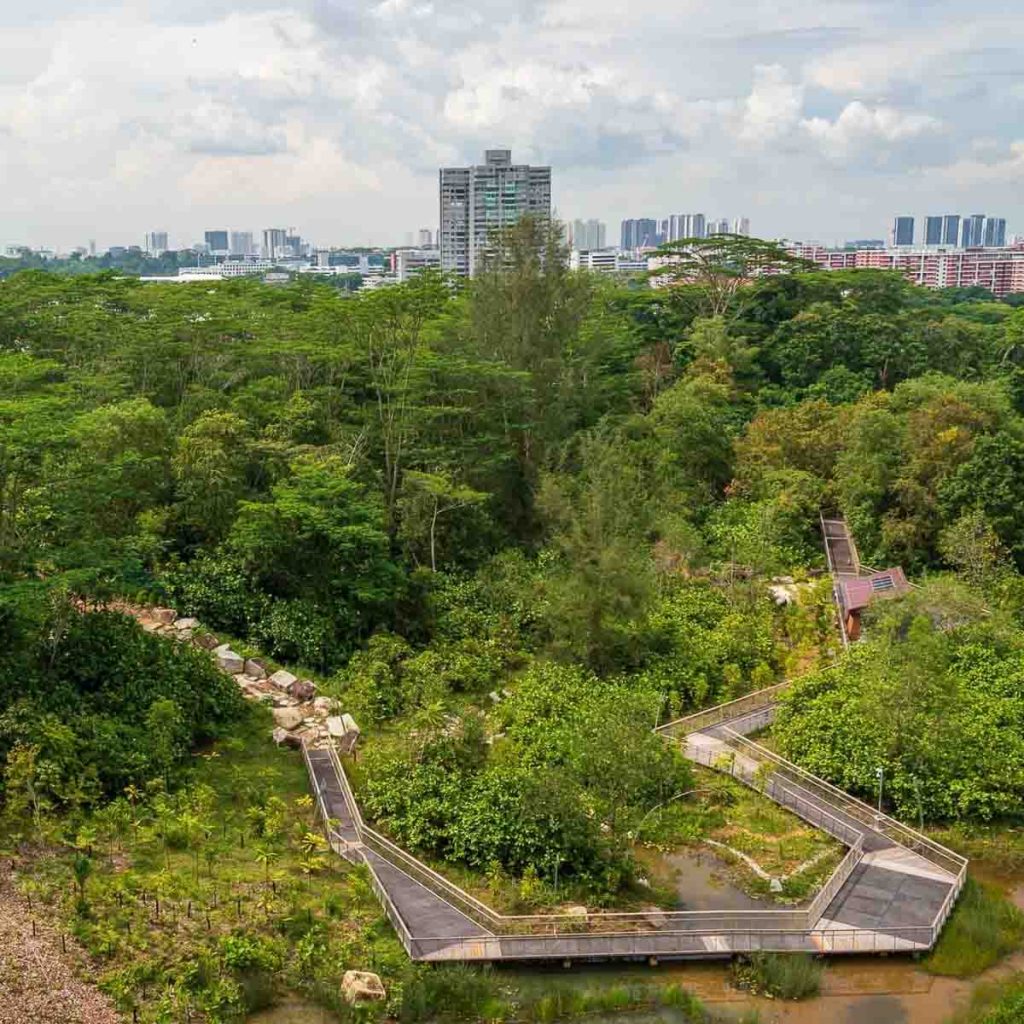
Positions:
{"x": 880, "y": 772}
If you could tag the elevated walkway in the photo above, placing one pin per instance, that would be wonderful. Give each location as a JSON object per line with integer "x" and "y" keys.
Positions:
{"x": 892, "y": 892}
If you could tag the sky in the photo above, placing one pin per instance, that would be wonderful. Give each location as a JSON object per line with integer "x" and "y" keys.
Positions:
{"x": 817, "y": 119}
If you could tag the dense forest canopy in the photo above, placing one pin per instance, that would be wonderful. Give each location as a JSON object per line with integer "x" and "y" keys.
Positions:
{"x": 537, "y": 480}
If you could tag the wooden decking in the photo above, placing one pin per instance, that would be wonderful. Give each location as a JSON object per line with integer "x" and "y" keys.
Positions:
{"x": 892, "y": 892}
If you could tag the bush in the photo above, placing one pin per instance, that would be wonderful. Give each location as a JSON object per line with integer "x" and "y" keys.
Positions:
{"x": 780, "y": 975}
{"x": 983, "y": 928}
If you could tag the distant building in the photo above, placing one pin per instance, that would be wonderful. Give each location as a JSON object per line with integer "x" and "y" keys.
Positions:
{"x": 1000, "y": 270}
{"x": 240, "y": 243}
{"x": 686, "y": 225}
{"x": 407, "y": 263}
{"x": 587, "y": 234}
{"x": 640, "y": 233}
{"x": 718, "y": 227}
{"x": 479, "y": 200}
{"x": 156, "y": 242}
{"x": 995, "y": 232}
{"x": 216, "y": 241}
{"x": 274, "y": 242}
{"x": 903, "y": 231}
{"x": 607, "y": 261}
{"x": 933, "y": 231}
{"x": 426, "y": 238}
{"x": 951, "y": 229}
{"x": 229, "y": 268}
{"x": 972, "y": 230}
{"x": 865, "y": 243}
{"x": 741, "y": 226}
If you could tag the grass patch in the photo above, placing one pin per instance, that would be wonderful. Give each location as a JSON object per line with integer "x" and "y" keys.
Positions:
{"x": 984, "y": 927}
{"x": 999, "y": 1002}
{"x": 725, "y": 810}
{"x": 779, "y": 975}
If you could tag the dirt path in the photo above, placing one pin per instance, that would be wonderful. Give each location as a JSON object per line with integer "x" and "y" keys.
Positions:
{"x": 39, "y": 984}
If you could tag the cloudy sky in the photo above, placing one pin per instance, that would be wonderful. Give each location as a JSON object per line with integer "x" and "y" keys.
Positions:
{"x": 815, "y": 118}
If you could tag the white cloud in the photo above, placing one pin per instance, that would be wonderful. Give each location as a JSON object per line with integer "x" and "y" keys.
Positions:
{"x": 334, "y": 114}
{"x": 859, "y": 127}
{"x": 773, "y": 107}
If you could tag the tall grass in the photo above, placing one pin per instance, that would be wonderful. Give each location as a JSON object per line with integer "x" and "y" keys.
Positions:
{"x": 780, "y": 975}
{"x": 984, "y": 927}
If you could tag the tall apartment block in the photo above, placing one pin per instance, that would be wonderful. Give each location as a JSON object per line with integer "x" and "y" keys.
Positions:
{"x": 587, "y": 235}
{"x": 156, "y": 242}
{"x": 476, "y": 201}
{"x": 639, "y": 233}
{"x": 216, "y": 241}
{"x": 903, "y": 231}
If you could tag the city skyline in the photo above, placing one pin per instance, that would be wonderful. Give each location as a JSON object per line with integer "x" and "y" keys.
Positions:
{"x": 817, "y": 121}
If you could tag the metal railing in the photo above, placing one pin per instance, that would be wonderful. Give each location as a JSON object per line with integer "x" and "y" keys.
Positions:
{"x": 665, "y": 932}
{"x": 699, "y": 721}
{"x": 900, "y": 834}
{"x": 676, "y": 944}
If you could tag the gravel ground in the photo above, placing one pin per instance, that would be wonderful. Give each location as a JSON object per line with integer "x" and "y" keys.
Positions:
{"x": 38, "y": 983}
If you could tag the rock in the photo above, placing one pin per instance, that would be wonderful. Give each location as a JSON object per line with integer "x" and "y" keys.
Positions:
{"x": 495, "y": 697}
{"x": 189, "y": 623}
{"x": 279, "y": 735}
{"x": 302, "y": 689}
{"x": 323, "y": 706}
{"x": 164, "y": 616}
{"x": 775, "y": 885}
{"x": 361, "y": 987}
{"x": 256, "y": 668}
{"x": 576, "y": 911}
{"x": 655, "y": 917}
{"x": 347, "y": 743}
{"x": 283, "y": 679}
{"x": 207, "y": 641}
{"x": 335, "y": 727}
{"x": 287, "y": 718}
{"x": 228, "y": 661}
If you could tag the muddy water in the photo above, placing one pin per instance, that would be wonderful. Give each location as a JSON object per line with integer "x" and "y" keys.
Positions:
{"x": 701, "y": 883}
{"x": 855, "y": 990}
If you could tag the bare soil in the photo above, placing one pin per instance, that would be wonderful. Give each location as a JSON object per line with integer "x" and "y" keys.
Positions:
{"x": 40, "y": 983}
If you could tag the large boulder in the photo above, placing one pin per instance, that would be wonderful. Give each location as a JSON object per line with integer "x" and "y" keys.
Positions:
{"x": 287, "y": 718}
{"x": 282, "y": 679}
{"x": 256, "y": 667}
{"x": 323, "y": 705}
{"x": 228, "y": 661}
{"x": 347, "y": 742}
{"x": 302, "y": 689}
{"x": 361, "y": 987}
{"x": 187, "y": 623}
{"x": 284, "y": 738}
{"x": 166, "y": 616}
{"x": 207, "y": 641}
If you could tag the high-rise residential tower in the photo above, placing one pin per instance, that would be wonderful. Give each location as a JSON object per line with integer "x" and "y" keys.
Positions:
{"x": 933, "y": 231}
{"x": 951, "y": 229}
{"x": 216, "y": 241}
{"x": 972, "y": 230}
{"x": 741, "y": 226}
{"x": 240, "y": 243}
{"x": 478, "y": 200}
{"x": 995, "y": 231}
{"x": 903, "y": 231}
{"x": 586, "y": 235}
{"x": 639, "y": 233}
{"x": 156, "y": 242}
{"x": 274, "y": 242}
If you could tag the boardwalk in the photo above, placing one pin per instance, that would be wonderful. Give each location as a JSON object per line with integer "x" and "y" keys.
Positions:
{"x": 892, "y": 892}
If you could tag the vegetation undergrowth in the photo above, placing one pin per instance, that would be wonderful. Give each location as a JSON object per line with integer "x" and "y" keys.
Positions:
{"x": 779, "y": 975}
{"x": 983, "y": 928}
{"x": 997, "y": 1002}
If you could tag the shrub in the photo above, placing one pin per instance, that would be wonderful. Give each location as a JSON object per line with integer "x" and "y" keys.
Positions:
{"x": 983, "y": 929}
{"x": 780, "y": 975}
